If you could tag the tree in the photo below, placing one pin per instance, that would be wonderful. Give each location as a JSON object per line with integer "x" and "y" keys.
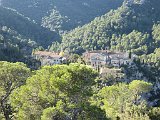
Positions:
{"x": 12, "y": 76}
{"x": 140, "y": 86}
{"x": 56, "y": 92}
{"x": 156, "y": 34}
{"x": 122, "y": 102}
{"x": 155, "y": 113}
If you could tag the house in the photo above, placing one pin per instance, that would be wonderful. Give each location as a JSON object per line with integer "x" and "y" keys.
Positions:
{"x": 95, "y": 58}
{"x": 101, "y": 58}
{"x": 120, "y": 58}
{"x": 49, "y": 58}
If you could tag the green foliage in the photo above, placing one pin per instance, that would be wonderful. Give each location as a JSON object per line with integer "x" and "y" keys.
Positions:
{"x": 134, "y": 41}
{"x": 140, "y": 86}
{"x": 13, "y": 46}
{"x": 63, "y": 92}
{"x": 156, "y": 34}
{"x": 19, "y": 36}
{"x": 54, "y": 21}
{"x": 58, "y": 91}
{"x": 122, "y": 101}
{"x": 12, "y": 76}
{"x": 127, "y": 28}
{"x": 66, "y": 92}
{"x": 75, "y": 58}
{"x": 150, "y": 64}
{"x": 62, "y": 15}
{"x": 56, "y": 113}
{"x": 155, "y": 113}
{"x": 77, "y": 13}
{"x": 55, "y": 46}
{"x": 25, "y": 27}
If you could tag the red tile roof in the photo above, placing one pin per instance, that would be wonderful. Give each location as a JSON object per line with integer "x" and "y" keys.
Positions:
{"x": 47, "y": 54}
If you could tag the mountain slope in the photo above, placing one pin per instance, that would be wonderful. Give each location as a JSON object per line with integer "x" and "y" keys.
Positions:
{"x": 75, "y": 13}
{"x": 69, "y": 13}
{"x": 13, "y": 46}
{"x": 26, "y": 27}
{"x": 34, "y": 9}
{"x": 127, "y": 28}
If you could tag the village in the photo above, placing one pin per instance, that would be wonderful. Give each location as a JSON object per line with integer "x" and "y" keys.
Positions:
{"x": 104, "y": 61}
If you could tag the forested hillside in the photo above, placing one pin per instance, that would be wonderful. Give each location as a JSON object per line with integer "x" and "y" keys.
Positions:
{"x": 13, "y": 46}
{"x": 44, "y": 76}
{"x": 129, "y": 28}
{"x": 25, "y": 18}
{"x": 70, "y": 92}
{"x": 19, "y": 36}
{"x": 34, "y": 9}
{"x": 26, "y": 27}
{"x": 61, "y": 15}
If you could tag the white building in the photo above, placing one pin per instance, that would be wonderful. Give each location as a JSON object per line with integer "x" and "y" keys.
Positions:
{"x": 98, "y": 59}
{"x": 49, "y": 58}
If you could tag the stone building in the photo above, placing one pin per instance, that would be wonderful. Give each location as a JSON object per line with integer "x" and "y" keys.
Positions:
{"x": 102, "y": 58}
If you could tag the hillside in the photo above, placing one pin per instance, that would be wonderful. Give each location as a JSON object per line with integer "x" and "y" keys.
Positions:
{"x": 26, "y": 27}
{"x": 61, "y": 15}
{"x": 19, "y": 36}
{"x": 129, "y": 28}
{"x": 13, "y": 46}
{"x": 79, "y": 60}
{"x": 34, "y": 9}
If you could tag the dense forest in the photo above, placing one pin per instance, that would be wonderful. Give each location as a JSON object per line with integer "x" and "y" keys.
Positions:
{"x": 33, "y": 14}
{"x": 129, "y": 28}
{"x": 13, "y": 45}
{"x": 62, "y": 15}
{"x": 74, "y": 90}
{"x": 63, "y": 92}
{"x": 19, "y": 35}
{"x": 16, "y": 21}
